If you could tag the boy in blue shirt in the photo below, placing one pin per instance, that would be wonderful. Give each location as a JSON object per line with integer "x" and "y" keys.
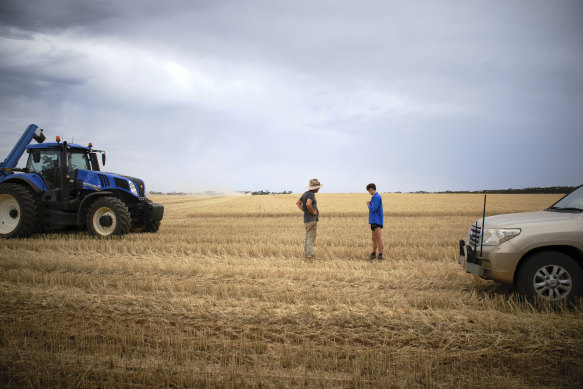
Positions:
{"x": 375, "y": 219}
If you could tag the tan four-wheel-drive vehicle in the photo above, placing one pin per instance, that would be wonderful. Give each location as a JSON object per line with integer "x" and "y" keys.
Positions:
{"x": 541, "y": 253}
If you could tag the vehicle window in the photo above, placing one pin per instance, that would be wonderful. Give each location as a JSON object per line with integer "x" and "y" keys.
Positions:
{"x": 572, "y": 200}
{"x": 78, "y": 160}
{"x": 46, "y": 167}
{"x": 48, "y": 160}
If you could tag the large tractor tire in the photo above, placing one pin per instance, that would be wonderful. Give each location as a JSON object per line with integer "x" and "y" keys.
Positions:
{"x": 108, "y": 216}
{"x": 151, "y": 226}
{"x": 19, "y": 211}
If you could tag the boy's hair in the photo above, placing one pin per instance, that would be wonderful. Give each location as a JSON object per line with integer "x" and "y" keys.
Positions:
{"x": 371, "y": 185}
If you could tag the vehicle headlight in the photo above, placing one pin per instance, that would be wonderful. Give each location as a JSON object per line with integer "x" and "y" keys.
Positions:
{"x": 133, "y": 188}
{"x": 496, "y": 236}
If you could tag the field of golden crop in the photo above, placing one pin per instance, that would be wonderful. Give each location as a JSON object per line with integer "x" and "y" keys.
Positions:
{"x": 222, "y": 297}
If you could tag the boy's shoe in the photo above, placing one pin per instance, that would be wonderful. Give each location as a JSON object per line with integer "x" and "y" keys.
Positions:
{"x": 380, "y": 257}
{"x": 373, "y": 256}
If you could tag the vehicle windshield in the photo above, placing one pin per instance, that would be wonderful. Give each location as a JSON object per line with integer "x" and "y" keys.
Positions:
{"x": 573, "y": 201}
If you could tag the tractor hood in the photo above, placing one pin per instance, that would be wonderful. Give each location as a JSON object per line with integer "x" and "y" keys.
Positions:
{"x": 100, "y": 181}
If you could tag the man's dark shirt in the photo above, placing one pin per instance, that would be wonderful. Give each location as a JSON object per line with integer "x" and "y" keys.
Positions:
{"x": 308, "y": 217}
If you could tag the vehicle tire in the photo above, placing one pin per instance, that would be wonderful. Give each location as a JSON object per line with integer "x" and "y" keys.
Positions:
{"x": 19, "y": 211}
{"x": 151, "y": 226}
{"x": 108, "y": 216}
{"x": 550, "y": 275}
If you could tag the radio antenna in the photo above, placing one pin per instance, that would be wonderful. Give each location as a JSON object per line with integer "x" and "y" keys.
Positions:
{"x": 483, "y": 226}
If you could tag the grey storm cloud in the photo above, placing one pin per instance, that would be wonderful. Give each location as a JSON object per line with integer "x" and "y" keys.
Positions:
{"x": 209, "y": 95}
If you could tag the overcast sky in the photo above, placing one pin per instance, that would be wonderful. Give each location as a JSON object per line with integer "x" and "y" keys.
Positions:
{"x": 248, "y": 95}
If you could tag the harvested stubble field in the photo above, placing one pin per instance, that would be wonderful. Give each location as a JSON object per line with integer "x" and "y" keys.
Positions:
{"x": 222, "y": 297}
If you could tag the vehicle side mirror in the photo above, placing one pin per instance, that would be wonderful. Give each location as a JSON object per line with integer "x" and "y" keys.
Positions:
{"x": 103, "y": 159}
{"x": 36, "y": 155}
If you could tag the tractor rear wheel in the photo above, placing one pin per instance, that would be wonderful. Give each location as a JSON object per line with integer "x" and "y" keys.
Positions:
{"x": 108, "y": 216}
{"x": 19, "y": 211}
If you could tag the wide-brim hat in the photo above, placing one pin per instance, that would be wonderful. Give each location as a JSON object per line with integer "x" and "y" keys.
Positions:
{"x": 314, "y": 184}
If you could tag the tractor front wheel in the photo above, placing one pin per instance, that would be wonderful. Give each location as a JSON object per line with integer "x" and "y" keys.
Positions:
{"x": 108, "y": 216}
{"x": 18, "y": 211}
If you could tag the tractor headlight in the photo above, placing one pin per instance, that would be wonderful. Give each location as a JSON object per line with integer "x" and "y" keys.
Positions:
{"x": 133, "y": 188}
{"x": 496, "y": 236}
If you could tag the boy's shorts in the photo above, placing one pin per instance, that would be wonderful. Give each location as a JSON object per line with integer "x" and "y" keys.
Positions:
{"x": 374, "y": 226}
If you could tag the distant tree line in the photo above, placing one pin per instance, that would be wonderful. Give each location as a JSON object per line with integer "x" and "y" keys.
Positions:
{"x": 266, "y": 192}
{"x": 536, "y": 190}
{"x": 208, "y": 193}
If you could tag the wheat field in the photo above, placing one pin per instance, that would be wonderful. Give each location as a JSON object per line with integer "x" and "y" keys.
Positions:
{"x": 221, "y": 296}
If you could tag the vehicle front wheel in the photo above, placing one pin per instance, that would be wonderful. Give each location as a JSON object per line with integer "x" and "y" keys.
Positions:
{"x": 108, "y": 216}
{"x": 551, "y": 275}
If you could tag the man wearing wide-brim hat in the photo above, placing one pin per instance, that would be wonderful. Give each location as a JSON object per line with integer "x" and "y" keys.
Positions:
{"x": 308, "y": 204}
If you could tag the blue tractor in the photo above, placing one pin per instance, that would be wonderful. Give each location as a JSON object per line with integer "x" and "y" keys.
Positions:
{"x": 62, "y": 186}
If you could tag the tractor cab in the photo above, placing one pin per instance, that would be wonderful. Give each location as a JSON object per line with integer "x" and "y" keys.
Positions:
{"x": 59, "y": 165}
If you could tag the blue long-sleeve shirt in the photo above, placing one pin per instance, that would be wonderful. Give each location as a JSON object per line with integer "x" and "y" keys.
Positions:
{"x": 375, "y": 210}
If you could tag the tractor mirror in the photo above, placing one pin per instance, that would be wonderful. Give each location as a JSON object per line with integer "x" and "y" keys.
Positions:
{"x": 36, "y": 155}
{"x": 103, "y": 159}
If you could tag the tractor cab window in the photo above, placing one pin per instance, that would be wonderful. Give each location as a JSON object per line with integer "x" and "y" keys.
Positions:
{"x": 78, "y": 160}
{"x": 47, "y": 167}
